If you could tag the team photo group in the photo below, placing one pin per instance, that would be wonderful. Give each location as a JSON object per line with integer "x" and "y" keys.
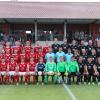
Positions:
{"x": 69, "y": 63}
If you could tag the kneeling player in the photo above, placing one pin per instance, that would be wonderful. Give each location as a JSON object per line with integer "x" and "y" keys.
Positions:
{"x": 40, "y": 66}
{"x": 61, "y": 69}
{"x": 50, "y": 70}
{"x": 90, "y": 71}
{"x": 32, "y": 69}
{"x": 73, "y": 70}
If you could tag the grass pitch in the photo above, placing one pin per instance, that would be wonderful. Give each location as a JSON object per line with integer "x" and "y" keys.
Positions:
{"x": 48, "y": 92}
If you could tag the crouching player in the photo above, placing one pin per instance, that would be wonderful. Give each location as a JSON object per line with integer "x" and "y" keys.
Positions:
{"x": 61, "y": 70}
{"x": 40, "y": 66}
{"x": 50, "y": 70}
{"x": 90, "y": 71}
{"x": 32, "y": 69}
{"x": 73, "y": 70}
{"x": 23, "y": 71}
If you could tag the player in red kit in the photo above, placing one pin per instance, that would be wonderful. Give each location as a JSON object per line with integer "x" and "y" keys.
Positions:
{"x": 33, "y": 55}
{"x": 46, "y": 47}
{"x": 12, "y": 68}
{"x": 37, "y": 47}
{"x": 41, "y": 54}
{"x": 7, "y": 56}
{"x": 16, "y": 56}
{"x": 23, "y": 55}
{"x": 17, "y": 47}
{"x": 32, "y": 69}
{"x": 3, "y": 68}
{"x": 27, "y": 49}
{"x": 22, "y": 69}
{"x": 7, "y": 48}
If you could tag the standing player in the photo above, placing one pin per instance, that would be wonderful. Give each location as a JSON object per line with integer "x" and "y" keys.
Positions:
{"x": 50, "y": 54}
{"x": 46, "y": 48}
{"x": 17, "y": 47}
{"x": 65, "y": 46}
{"x": 32, "y": 69}
{"x": 68, "y": 55}
{"x": 55, "y": 45}
{"x": 59, "y": 54}
{"x": 37, "y": 47}
{"x": 40, "y": 66}
{"x": 50, "y": 70}
{"x": 98, "y": 48}
{"x": 61, "y": 69}
{"x": 40, "y": 54}
{"x": 74, "y": 46}
{"x": 27, "y": 49}
{"x": 90, "y": 71}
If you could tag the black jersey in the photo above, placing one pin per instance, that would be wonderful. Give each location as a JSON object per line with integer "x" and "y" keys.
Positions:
{"x": 89, "y": 48}
{"x": 84, "y": 57}
{"x": 74, "y": 47}
{"x": 98, "y": 67}
{"x": 98, "y": 51}
{"x": 81, "y": 47}
{"x": 40, "y": 67}
{"x": 94, "y": 57}
{"x": 55, "y": 47}
{"x": 81, "y": 67}
{"x": 64, "y": 47}
{"x": 90, "y": 67}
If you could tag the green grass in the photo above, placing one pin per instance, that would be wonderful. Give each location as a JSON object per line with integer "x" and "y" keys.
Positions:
{"x": 48, "y": 92}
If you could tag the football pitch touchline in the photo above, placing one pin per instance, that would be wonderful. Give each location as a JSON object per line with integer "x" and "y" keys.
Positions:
{"x": 69, "y": 92}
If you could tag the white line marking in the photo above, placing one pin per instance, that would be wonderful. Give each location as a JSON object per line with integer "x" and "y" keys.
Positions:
{"x": 69, "y": 92}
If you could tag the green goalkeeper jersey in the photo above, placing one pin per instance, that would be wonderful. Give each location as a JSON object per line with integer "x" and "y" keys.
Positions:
{"x": 72, "y": 67}
{"x": 61, "y": 66}
{"x": 50, "y": 66}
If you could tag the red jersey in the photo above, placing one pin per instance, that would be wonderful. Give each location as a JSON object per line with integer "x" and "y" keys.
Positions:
{"x": 32, "y": 66}
{"x": 3, "y": 67}
{"x": 8, "y": 58}
{"x": 16, "y": 57}
{"x": 18, "y": 48}
{"x": 27, "y": 49}
{"x": 7, "y": 49}
{"x": 36, "y": 49}
{"x": 41, "y": 54}
{"x": 46, "y": 49}
{"x": 33, "y": 55}
{"x": 12, "y": 66}
{"x": 24, "y": 55}
{"x": 22, "y": 67}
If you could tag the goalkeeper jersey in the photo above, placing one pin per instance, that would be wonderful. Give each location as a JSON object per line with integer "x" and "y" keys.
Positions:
{"x": 50, "y": 66}
{"x": 61, "y": 66}
{"x": 72, "y": 67}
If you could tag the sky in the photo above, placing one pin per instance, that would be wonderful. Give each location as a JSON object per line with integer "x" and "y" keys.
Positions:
{"x": 55, "y": 0}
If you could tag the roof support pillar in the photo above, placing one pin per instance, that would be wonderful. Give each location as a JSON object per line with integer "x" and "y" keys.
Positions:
{"x": 35, "y": 30}
{"x": 65, "y": 29}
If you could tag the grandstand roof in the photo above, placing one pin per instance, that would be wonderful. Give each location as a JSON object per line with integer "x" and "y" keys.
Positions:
{"x": 56, "y": 10}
